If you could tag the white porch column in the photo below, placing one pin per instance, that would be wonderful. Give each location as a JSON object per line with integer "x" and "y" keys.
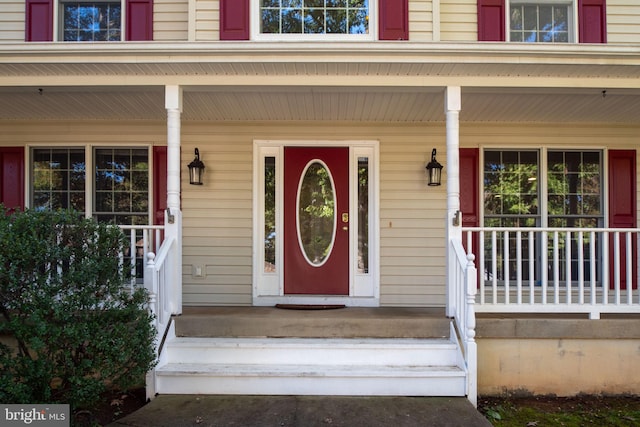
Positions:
{"x": 452, "y": 106}
{"x": 173, "y": 217}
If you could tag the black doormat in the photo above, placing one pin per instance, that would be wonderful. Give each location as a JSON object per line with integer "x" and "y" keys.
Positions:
{"x": 310, "y": 306}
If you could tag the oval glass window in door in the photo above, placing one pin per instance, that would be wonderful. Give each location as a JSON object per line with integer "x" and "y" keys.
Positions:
{"x": 316, "y": 213}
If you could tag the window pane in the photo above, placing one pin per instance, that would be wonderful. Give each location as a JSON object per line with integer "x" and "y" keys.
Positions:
{"x": 316, "y": 213}
{"x": 269, "y": 214}
{"x": 539, "y": 21}
{"x": 122, "y": 185}
{"x": 363, "y": 215}
{"x": 314, "y": 17}
{"x": 91, "y": 21}
{"x": 54, "y": 174}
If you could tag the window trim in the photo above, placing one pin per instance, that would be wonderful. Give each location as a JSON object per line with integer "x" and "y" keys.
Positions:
{"x": 573, "y": 18}
{"x": 58, "y": 27}
{"x": 255, "y": 34}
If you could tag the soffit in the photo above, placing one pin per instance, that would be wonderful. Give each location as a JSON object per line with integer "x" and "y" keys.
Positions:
{"x": 381, "y": 105}
{"x": 381, "y": 82}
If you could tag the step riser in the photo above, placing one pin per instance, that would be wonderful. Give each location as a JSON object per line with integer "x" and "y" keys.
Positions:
{"x": 318, "y": 386}
{"x": 327, "y": 356}
{"x": 330, "y": 352}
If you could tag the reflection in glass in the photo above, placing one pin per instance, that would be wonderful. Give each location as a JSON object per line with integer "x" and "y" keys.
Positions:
{"x": 91, "y": 21}
{"x": 544, "y": 23}
{"x": 269, "y": 214}
{"x": 58, "y": 179}
{"x": 316, "y": 213}
{"x": 122, "y": 185}
{"x": 363, "y": 215}
{"x": 314, "y": 17}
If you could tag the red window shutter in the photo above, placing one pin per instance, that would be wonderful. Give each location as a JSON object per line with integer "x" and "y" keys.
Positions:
{"x": 159, "y": 184}
{"x": 592, "y": 19}
{"x": 234, "y": 19}
{"x": 491, "y": 21}
{"x": 394, "y": 20}
{"x": 12, "y": 177}
{"x": 469, "y": 196}
{"x": 139, "y": 20}
{"x": 622, "y": 206}
{"x": 39, "y": 21}
{"x": 469, "y": 203}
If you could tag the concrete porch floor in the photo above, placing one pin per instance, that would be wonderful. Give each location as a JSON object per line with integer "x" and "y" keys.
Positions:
{"x": 348, "y": 322}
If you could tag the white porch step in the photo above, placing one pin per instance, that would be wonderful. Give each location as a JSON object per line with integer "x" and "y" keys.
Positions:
{"x": 405, "y": 367}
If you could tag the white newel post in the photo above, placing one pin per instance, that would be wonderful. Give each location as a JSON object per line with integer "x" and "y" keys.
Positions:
{"x": 452, "y": 106}
{"x": 173, "y": 216}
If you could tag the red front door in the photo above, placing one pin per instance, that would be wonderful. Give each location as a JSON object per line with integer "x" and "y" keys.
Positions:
{"x": 316, "y": 220}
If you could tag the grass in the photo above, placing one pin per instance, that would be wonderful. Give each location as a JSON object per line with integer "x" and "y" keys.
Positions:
{"x": 578, "y": 411}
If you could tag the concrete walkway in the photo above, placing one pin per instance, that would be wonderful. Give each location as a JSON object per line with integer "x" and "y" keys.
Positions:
{"x": 304, "y": 411}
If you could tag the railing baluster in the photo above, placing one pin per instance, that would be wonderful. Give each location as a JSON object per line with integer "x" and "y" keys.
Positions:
{"x": 481, "y": 266}
{"x": 532, "y": 279}
{"x": 616, "y": 267}
{"x": 567, "y": 267}
{"x": 629, "y": 265}
{"x": 544, "y": 268}
{"x": 580, "y": 268}
{"x": 592, "y": 261}
{"x": 494, "y": 265}
{"x": 519, "y": 267}
{"x": 505, "y": 254}
{"x": 556, "y": 269}
{"x": 606, "y": 260}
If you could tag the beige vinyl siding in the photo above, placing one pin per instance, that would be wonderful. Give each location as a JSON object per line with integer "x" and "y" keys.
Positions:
{"x": 458, "y": 20}
{"x": 170, "y": 20}
{"x": 207, "y": 20}
{"x": 412, "y": 258}
{"x": 623, "y": 21}
{"x": 420, "y": 20}
{"x": 12, "y": 21}
{"x": 218, "y": 215}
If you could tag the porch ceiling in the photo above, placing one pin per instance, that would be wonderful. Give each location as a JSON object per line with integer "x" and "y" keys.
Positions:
{"x": 377, "y": 82}
{"x": 312, "y": 103}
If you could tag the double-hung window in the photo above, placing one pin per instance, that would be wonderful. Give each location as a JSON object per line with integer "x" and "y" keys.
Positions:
{"x": 90, "y": 20}
{"x": 542, "y": 188}
{"x": 542, "y": 21}
{"x": 313, "y": 19}
{"x": 547, "y": 21}
{"x": 117, "y": 191}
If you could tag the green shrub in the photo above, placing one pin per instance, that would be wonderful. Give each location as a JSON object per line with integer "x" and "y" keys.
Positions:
{"x": 73, "y": 327}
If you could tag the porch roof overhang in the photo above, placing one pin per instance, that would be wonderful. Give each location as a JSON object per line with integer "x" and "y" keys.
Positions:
{"x": 372, "y": 82}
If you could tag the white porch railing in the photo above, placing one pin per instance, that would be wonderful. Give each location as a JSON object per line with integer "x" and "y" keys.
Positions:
{"x": 142, "y": 240}
{"x": 556, "y": 270}
{"x": 160, "y": 274}
{"x": 463, "y": 284}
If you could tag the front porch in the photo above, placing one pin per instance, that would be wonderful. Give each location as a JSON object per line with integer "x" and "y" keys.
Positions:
{"x": 339, "y": 351}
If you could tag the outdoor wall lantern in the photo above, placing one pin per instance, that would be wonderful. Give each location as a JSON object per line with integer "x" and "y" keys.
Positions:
{"x": 434, "y": 170}
{"x": 196, "y": 170}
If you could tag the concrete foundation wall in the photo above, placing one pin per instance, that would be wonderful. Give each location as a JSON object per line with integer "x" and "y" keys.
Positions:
{"x": 563, "y": 357}
{"x": 564, "y": 367}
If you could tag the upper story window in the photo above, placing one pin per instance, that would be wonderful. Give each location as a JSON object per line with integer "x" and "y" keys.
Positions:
{"x": 91, "y": 21}
{"x": 88, "y": 21}
{"x": 546, "y": 22}
{"x": 314, "y": 16}
{"x": 313, "y": 19}
{"x": 542, "y": 21}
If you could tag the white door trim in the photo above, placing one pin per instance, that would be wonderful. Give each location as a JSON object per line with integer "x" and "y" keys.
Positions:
{"x": 268, "y": 286}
